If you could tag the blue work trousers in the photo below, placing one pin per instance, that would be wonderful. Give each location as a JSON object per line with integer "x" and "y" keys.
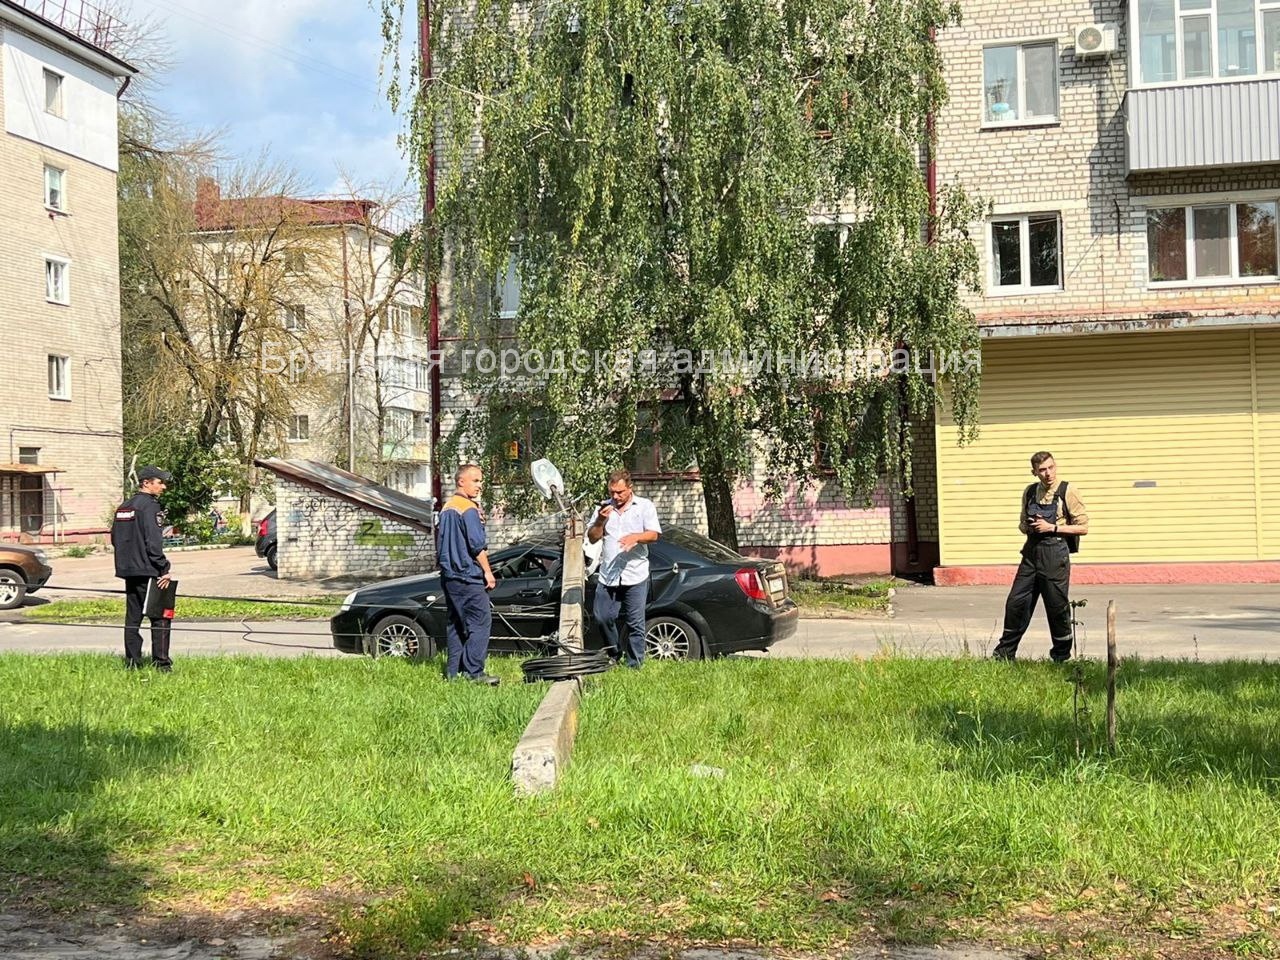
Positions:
{"x": 470, "y": 623}
{"x": 630, "y": 601}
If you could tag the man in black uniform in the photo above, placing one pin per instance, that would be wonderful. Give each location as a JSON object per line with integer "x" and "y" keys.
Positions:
{"x": 138, "y": 538}
{"x": 1053, "y": 517}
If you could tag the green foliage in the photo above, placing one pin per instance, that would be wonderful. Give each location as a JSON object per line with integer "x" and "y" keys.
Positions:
{"x": 669, "y": 177}
{"x": 199, "y": 474}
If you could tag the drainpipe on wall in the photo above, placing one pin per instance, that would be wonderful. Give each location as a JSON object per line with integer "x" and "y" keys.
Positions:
{"x": 428, "y": 218}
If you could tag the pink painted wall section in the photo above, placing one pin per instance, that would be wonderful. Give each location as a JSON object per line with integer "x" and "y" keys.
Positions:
{"x": 830, "y": 560}
{"x": 1103, "y": 573}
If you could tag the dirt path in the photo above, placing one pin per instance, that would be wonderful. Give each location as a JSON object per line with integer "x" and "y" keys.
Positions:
{"x": 29, "y": 938}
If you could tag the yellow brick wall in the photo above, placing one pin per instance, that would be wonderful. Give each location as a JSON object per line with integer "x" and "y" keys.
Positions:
{"x": 82, "y": 436}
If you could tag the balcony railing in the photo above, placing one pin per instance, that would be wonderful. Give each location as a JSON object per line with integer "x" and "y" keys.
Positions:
{"x": 80, "y": 19}
{"x": 1233, "y": 123}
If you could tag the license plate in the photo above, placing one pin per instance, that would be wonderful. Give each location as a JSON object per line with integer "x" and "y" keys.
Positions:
{"x": 776, "y": 585}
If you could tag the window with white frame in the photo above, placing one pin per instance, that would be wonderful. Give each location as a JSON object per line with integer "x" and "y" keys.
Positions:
{"x": 1206, "y": 39}
{"x": 399, "y": 319}
{"x": 55, "y": 193}
{"x": 53, "y": 92}
{"x": 57, "y": 280}
{"x": 1026, "y": 253}
{"x": 422, "y": 426}
{"x": 293, "y": 317}
{"x": 1020, "y": 83}
{"x": 397, "y": 424}
{"x": 507, "y": 298}
{"x": 59, "y": 377}
{"x": 1213, "y": 242}
{"x": 299, "y": 428}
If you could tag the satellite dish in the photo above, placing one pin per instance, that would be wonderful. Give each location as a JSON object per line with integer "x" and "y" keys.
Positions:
{"x": 547, "y": 478}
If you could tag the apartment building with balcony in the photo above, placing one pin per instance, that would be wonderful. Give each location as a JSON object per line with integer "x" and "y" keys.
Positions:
{"x": 60, "y": 414}
{"x": 1130, "y": 304}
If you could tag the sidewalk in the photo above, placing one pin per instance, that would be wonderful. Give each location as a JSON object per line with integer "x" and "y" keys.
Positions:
{"x": 1211, "y": 622}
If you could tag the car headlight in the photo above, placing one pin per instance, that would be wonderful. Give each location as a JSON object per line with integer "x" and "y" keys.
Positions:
{"x": 347, "y": 601}
{"x": 41, "y": 556}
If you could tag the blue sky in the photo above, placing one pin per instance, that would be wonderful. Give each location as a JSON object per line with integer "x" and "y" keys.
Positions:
{"x": 296, "y": 78}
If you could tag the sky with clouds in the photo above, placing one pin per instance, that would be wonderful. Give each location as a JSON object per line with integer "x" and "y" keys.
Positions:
{"x": 298, "y": 79}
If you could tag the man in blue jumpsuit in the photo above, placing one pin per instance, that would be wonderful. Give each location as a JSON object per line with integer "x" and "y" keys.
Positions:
{"x": 466, "y": 578}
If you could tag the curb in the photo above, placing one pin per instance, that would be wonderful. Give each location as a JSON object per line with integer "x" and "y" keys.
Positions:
{"x": 544, "y": 750}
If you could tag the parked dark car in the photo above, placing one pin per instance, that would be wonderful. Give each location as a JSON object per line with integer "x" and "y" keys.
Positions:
{"x": 704, "y": 600}
{"x": 265, "y": 545}
{"x": 23, "y": 570}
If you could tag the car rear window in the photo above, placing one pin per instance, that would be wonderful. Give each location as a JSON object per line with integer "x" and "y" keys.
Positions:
{"x": 701, "y": 546}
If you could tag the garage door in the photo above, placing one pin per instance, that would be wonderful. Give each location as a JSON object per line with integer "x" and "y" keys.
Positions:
{"x": 1169, "y": 437}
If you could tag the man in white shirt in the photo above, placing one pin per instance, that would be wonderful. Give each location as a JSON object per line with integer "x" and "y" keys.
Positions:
{"x": 628, "y": 524}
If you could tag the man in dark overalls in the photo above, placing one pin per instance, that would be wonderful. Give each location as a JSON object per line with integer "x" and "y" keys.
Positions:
{"x": 466, "y": 579}
{"x": 1053, "y": 517}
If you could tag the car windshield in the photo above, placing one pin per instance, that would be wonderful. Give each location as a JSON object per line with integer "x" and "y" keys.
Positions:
{"x": 696, "y": 543}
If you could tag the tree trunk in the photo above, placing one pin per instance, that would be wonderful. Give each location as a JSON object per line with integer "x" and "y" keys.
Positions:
{"x": 717, "y": 493}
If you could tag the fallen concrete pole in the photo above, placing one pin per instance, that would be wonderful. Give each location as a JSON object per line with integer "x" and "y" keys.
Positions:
{"x": 544, "y": 751}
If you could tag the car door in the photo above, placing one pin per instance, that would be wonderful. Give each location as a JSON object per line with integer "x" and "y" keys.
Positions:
{"x": 526, "y": 599}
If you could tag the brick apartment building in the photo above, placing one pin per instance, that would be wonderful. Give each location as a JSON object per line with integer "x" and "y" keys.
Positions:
{"x": 1131, "y": 304}
{"x": 60, "y": 416}
{"x": 338, "y": 277}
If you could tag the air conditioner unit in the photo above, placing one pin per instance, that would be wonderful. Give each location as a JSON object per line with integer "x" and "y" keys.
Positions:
{"x": 1095, "y": 40}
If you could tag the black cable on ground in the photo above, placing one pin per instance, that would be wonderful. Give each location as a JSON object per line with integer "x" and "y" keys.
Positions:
{"x": 566, "y": 666}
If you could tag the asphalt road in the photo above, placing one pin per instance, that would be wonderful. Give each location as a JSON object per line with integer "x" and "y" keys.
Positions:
{"x": 1192, "y": 622}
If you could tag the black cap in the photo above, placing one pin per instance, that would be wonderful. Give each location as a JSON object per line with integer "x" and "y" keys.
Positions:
{"x": 154, "y": 473}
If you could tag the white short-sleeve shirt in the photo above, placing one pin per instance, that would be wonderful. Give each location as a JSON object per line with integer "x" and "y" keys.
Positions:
{"x": 627, "y": 567}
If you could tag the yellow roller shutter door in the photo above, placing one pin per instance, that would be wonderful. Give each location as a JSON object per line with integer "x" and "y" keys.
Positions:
{"x": 1170, "y": 437}
{"x": 1267, "y": 364}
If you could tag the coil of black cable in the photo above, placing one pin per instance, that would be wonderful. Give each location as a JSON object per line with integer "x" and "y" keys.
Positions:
{"x": 565, "y": 666}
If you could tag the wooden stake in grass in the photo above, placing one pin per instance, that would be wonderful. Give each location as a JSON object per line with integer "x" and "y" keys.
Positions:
{"x": 1111, "y": 676}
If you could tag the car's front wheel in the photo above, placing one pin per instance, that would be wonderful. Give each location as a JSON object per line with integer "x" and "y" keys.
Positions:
{"x": 399, "y": 636}
{"x": 13, "y": 588}
{"x": 669, "y": 638}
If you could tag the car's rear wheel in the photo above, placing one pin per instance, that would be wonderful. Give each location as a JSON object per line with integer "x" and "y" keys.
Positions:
{"x": 13, "y": 587}
{"x": 271, "y": 558}
{"x": 399, "y": 636}
{"x": 670, "y": 638}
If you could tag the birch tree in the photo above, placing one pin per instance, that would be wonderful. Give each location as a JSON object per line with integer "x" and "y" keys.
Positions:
{"x": 705, "y": 179}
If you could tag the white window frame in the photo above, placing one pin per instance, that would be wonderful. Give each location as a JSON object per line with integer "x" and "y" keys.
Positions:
{"x": 1233, "y": 240}
{"x": 1025, "y": 288}
{"x": 293, "y": 317}
{"x": 49, "y": 290}
{"x": 1260, "y": 8}
{"x": 59, "y": 372}
{"x": 1021, "y": 43}
{"x": 61, "y": 205}
{"x": 60, "y": 102}
{"x": 501, "y": 286}
{"x": 299, "y": 428}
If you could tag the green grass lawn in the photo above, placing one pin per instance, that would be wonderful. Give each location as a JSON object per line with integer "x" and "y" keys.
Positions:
{"x": 111, "y": 610}
{"x": 837, "y": 596}
{"x": 916, "y": 799}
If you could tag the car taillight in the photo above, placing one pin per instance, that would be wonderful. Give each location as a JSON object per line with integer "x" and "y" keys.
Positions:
{"x": 262, "y": 527}
{"x": 749, "y": 580}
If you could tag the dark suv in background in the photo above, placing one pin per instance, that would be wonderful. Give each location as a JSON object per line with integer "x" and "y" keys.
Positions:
{"x": 23, "y": 570}
{"x": 265, "y": 546}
